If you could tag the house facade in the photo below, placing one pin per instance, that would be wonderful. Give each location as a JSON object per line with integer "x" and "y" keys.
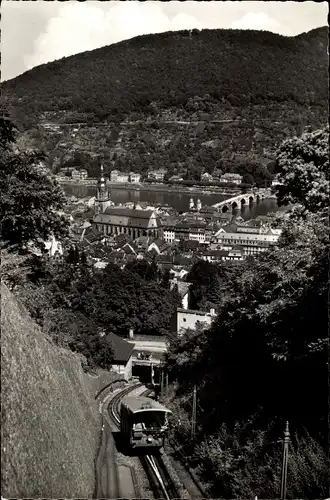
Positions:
{"x": 231, "y": 178}
{"x": 117, "y": 176}
{"x": 157, "y": 175}
{"x": 253, "y": 241}
{"x": 185, "y": 319}
{"x": 79, "y": 175}
{"x": 134, "y": 178}
{"x": 206, "y": 177}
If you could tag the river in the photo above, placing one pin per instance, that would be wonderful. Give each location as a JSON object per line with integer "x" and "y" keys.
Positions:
{"x": 179, "y": 201}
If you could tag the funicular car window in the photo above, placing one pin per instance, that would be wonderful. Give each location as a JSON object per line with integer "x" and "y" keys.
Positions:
{"x": 149, "y": 419}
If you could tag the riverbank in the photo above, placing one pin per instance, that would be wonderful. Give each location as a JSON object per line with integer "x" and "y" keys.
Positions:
{"x": 166, "y": 188}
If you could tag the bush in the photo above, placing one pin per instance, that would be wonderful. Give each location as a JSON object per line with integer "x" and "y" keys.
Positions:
{"x": 241, "y": 466}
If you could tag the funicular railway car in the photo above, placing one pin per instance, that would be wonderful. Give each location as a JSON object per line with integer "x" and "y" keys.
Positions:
{"x": 143, "y": 422}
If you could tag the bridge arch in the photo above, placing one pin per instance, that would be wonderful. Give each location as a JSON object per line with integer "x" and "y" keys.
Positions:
{"x": 234, "y": 205}
{"x": 224, "y": 209}
{"x": 243, "y": 202}
{"x": 251, "y": 199}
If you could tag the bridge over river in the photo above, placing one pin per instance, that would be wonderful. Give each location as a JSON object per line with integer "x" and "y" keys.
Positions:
{"x": 237, "y": 202}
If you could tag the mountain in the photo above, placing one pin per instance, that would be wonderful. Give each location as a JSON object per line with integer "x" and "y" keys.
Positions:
{"x": 49, "y": 418}
{"x": 251, "y": 89}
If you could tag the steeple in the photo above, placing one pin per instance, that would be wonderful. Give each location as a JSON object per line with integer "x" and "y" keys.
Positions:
{"x": 102, "y": 200}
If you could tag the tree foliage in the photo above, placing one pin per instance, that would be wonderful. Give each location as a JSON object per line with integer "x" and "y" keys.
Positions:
{"x": 266, "y": 352}
{"x": 31, "y": 200}
{"x": 303, "y": 164}
{"x": 101, "y": 83}
{"x": 121, "y": 299}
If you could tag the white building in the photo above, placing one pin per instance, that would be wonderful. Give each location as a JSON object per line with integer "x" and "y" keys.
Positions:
{"x": 134, "y": 178}
{"x": 197, "y": 234}
{"x": 169, "y": 234}
{"x": 185, "y": 319}
{"x": 117, "y": 176}
{"x": 253, "y": 241}
{"x": 231, "y": 178}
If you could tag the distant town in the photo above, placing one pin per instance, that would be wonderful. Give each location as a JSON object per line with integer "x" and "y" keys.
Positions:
{"x": 121, "y": 233}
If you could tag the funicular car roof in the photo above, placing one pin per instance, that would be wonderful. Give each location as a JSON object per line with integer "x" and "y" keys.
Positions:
{"x": 141, "y": 404}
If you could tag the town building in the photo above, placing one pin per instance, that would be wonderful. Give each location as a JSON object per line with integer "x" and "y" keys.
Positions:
{"x": 231, "y": 178}
{"x": 169, "y": 234}
{"x": 75, "y": 175}
{"x": 134, "y": 178}
{"x": 276, "y": 181}
{"x": 117, "y": 176}
{"x": 184, "y": 319}
{"x": 176, "y": 178}
{"x": 206, "y": 177}
{"x": 252, "y": 240}
{"x": 157, "y": 175}
{"x": 214, "y": 256}
{"x": 159, "y": 246}
{"x": 121, "y": 352}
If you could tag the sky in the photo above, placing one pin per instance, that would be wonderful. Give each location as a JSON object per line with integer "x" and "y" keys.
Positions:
{"x": 37, "y": 32}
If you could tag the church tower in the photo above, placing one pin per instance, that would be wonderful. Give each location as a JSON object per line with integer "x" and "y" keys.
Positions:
{"x": 191, "y": 204}
{"x": 102, "y": 200}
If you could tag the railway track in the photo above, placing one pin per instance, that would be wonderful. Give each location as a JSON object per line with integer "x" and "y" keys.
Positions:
{"x": 157, "y": 473}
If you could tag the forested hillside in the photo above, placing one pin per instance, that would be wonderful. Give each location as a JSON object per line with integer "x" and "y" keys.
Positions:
{"x": 240, "y": 66}
{"x": 264, "y": 360}
{"x": 186, "y": 101}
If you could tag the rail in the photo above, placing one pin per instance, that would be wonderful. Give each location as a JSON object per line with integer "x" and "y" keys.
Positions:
{"x": 158, "y": 475}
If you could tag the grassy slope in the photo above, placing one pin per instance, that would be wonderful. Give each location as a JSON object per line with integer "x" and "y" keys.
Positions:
{"x": 49, "y": 420}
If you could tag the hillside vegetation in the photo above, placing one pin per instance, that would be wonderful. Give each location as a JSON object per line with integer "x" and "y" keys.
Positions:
{"x": 49, "y": 420}
{"x": 186, "y": 101}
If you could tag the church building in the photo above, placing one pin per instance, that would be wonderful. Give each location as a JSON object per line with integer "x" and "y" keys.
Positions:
{"x": 121, "y": 220}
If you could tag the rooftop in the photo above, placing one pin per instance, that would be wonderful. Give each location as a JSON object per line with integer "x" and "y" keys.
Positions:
{"x": 122, "y": 350}
{"x": 140, "y": 404}
{"x": 183, "y": 287}
{"x": 192, "y": 311}
{"x": 129, "y": 212}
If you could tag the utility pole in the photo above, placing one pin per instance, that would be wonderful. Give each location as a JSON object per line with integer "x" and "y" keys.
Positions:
{"x": 162, "y": 382}
{"x": 194, "y": 411}
{"x": 105, "y": 356}
{"x": 285, "y": 461}
{"x": 152, "y": 375}
{"x": 166, "y": 381}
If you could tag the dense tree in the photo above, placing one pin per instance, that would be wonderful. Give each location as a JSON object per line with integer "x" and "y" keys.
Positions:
{"x": 209, "y": 282}
{"x": 121, "y": 299}
{"x": 274, "y": 69}
{"x": 147, "y": 271}
{"x": 31, "y": 200}
{"x": 8, "y": 131}
{"x": 263, "y": 357}
{"x": 75, "y": 331}
{"x": 303, "y": 164}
